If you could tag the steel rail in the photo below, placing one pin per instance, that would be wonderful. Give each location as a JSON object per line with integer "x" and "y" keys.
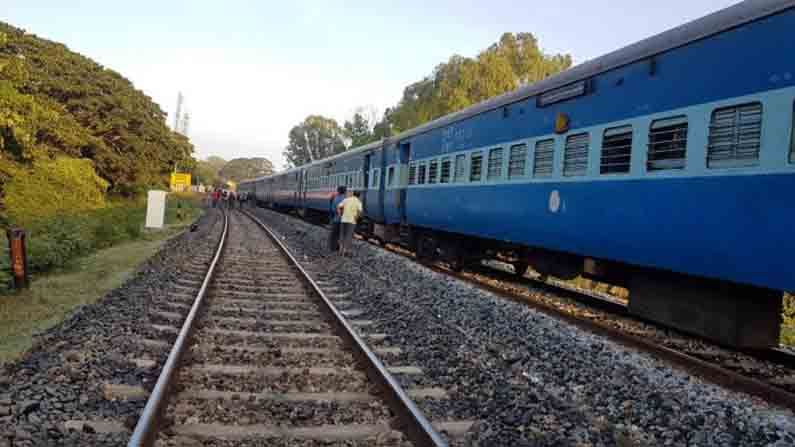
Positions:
{"x": 146, "y": 429}
{"x": 413, "y": 421}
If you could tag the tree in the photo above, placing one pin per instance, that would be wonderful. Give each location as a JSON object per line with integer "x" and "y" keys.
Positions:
{"x": 245, "y": 168}
{"x": 513, "y": 61}
{"x": 55, "y": 102}
{"x": 215, "y": 162}
{"x": 315, "y": 138}
{"x": 358, "y": 131}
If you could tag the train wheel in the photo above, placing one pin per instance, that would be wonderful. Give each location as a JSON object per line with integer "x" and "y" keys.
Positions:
{"x": 519, "y": 268}
{"x": 426, "y": 248}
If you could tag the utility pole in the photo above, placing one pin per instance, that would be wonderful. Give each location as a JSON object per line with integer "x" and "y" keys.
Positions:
{"x": 185, "y": 123}
{"x": 178, "y": 115}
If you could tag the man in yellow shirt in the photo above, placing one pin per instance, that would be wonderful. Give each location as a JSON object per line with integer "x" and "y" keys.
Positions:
{"x": 350, "y": 209}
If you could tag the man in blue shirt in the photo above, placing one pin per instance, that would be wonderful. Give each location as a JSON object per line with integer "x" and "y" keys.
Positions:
{"x": 334, "y": 235}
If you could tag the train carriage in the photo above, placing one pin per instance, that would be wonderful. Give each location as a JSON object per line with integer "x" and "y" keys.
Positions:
{"x": 667, "y": 166}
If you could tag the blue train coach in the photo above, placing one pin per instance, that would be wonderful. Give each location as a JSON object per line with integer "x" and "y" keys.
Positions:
{"x": 667, "y": 166}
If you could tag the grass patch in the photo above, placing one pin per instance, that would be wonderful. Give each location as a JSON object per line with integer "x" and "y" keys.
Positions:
{"x": 54, "y": 243}
{"x": 84, "y": 277}
{"x": 52, "y": 297}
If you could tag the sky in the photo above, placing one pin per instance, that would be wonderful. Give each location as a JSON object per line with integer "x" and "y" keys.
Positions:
{"x": 252, "y": 69}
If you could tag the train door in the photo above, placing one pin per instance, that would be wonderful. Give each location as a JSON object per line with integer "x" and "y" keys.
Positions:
{"x": 381, "y": 185}
{"x": 304, "y": 187}
{"x": 368, "y": 162}
{"x": 403, "y": 182}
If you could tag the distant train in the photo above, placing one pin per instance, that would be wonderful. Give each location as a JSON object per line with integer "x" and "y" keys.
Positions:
{"x": 667, "y": 166}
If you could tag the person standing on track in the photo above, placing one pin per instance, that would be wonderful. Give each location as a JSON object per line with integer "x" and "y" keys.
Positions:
{"x": 349, "y": 209}
{"x": 334, "y": 234}
{"x": 216, "y": 195}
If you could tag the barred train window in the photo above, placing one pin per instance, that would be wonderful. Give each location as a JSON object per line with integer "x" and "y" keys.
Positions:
{"x": 444, "y": 177}
{"x": 460, "y": 168}
{"x": 543, "y": 159}
{"x": 735, "y": 136}
{"x": 390, "y": 176}
{"x": 495, "y": 164}
{"x": 433, "y": 171}
{"x": 616, "y": 150}
{"x": 376, "y": 178}
{"x": 476, "y": 167}
{"x": 667, "y": 144}
{"x": 517, "y": 160}
{"x": 413, "y": 174}
{"x": 421, "y": 174}
{"x": 575, "y": 155}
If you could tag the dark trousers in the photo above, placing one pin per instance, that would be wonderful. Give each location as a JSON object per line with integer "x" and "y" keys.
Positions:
{"x": 334, "y": 237}
{"x": 346, "y": 235}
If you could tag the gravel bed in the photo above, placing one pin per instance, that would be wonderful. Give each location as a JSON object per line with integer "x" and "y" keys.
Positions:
{"x": 530, "y": 379}
{"x": 61, "y": 378}
{"x": 776, "y": 374}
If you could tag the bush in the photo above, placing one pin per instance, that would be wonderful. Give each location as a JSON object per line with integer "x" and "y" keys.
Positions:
{"x": 55, "y": 242}
{"x": 53, "y": 188}
{"x": 788, "y": 325}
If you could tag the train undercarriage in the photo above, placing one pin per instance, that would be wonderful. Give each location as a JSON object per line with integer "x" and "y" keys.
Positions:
{"x": 735, "y": 315}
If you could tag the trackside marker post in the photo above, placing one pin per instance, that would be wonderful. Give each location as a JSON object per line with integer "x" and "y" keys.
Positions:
{"x": 19, "y": 259}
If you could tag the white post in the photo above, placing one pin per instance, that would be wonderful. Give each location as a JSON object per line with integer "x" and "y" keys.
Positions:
{"x": 155, "y": 209}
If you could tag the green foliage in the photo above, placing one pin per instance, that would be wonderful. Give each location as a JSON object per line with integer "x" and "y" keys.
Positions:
{"x": 53, "y": 187}
{"x": 56, "y": 242}
{"x": 315, "y": 138}
{"x": 788, "y": 325}
{"x": 206, "y": 171}
{"x": 56, "y": 102}
{"x": 245, "y": 168}
{"x": 461, "y": 82}
{"x": 358, "y": 131}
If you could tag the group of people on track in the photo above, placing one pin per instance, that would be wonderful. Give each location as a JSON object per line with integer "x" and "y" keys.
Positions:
{"x": 222, "y": 198}
{"x": 346, "y": 208}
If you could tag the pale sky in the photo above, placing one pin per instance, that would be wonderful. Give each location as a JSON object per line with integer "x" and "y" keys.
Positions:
{"x": 250, "y": 70}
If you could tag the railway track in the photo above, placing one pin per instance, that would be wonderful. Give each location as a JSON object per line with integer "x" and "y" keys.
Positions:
{"x": 264, "y": 355}
{"x": 768, "y": 374}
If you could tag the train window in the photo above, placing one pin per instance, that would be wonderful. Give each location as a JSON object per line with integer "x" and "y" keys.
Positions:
{"x": 575, "y": 155}
{"x": 495, "y": 164}
{"x": 735, "y": 135}
{"x": 412, "y": 173}
{"x": 433, "y": 171}
{"x": 375, "y": 180}
{"x": 390, "y": 176}
{"x": 476, "y": 167}
{"x": 445, "y": 174}
{"x": 460, "y": 168}
{"x": 616, "y": 150}
{"x": 517, "y": 160}
{"x": 543, "y": 159}
{"x": 421, "y": 174}
{"x": 667, "y": 144}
